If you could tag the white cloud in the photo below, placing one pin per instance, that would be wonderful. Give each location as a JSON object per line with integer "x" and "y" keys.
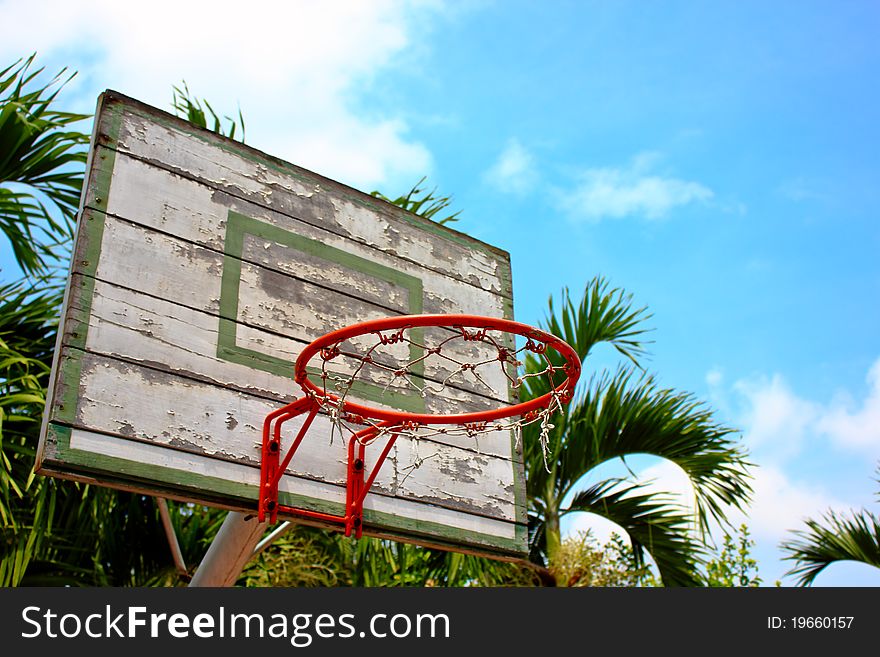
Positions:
{"x": 851, "y": 427}
{"x": 790, "y": 438}
{"x": 514, "y": 170}
{"x": 600, "y": 528}
{"x": 634, "y": 190}
{"x": 781, "y": 505}
{"x": 714, "y": 377}
{"x": 663, "y": 478}
{"x": 779, "y": 421}
{"x": 778, "y": 504}
{"x": 789, "y": 434}
{"x": 775, "y": 418}
{"x": 294, "y": 68}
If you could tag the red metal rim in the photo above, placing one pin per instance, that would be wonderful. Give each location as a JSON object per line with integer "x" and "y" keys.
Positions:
{"x": 564, "y": 391}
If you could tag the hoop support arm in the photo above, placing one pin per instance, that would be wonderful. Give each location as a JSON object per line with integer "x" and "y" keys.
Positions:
{"x": 272, "y": 468}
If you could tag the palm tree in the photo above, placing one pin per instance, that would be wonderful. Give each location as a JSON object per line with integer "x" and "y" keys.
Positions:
{"x": 612, "y": 417}
{"x": 58, "y": 532}
{"x": 189, "y": 107}
{"x": 836, "y": 537}
{"x": 41, "y": 166}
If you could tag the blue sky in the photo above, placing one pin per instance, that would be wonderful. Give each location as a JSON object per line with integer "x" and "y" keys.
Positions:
{"x": 717, "y": 160}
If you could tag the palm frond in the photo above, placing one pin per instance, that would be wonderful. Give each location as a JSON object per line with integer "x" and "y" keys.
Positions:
{"x": 190, "y": 108}
{"x": 635, "y": 416}
{"x": 423, "y": 203}
{"x": 654, "y": 525}
{"x": 836, "y": 537}
{"x": 53, "y": 531}
{"x": 41, "y": 165}
{"x": 376, "y": 562}
{"x": 614, "y": 416}
{"x": 627, "y": 413}
{"x": 26, "y": 505}
{"x": 603, "y": 315}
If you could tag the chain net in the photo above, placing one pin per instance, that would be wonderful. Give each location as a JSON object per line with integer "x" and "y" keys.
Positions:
{"x": 452, "y": 370}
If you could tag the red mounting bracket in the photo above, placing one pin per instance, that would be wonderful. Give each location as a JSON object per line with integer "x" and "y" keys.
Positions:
{"x": 272, "y": 467}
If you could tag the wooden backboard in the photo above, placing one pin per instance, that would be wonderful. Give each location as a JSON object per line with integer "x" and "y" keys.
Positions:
{"x": 201, "y": 268}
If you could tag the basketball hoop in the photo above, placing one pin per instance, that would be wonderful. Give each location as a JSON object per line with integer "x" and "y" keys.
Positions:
{"x": 463, "y": 352}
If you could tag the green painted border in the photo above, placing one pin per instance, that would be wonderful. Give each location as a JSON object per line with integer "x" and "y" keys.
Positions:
{"x": 133, "y": 473}
{"x": 85, "y": 259}
{"x": 239, "y": 225}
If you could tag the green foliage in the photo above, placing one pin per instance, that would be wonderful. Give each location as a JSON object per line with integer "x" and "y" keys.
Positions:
{"x": 581, "y": 561}
{"x": 194, "y": 526}
{"x": 603, "y": 315}
{"x": 835, "y": 537}
{"x": 41, "y": 164}
{"x": 734, "y": 566}
{"x": 43, "y": 538}
{"x": 55, "y": 532}
{"x": 377, "y": 562}
{"x": 51, "y": 529}
{"x": 423, "y": 203}
{"x": 304, "y": 556}
{"x": 24, "y": 372}
{"x": 617, "y": 415}
{"x": 190, "y": 108}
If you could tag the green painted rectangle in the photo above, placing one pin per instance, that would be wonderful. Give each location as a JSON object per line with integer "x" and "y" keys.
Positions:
{"x": 237, "y": 226}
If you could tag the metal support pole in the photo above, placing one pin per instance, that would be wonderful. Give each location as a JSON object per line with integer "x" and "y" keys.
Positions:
{"x": 176, "y": 554}
{"x": 230, "y": 550}
{"x": 282, "y": 529}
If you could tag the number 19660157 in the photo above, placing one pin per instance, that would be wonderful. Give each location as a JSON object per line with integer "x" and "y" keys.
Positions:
{"x": 810, "y": 622}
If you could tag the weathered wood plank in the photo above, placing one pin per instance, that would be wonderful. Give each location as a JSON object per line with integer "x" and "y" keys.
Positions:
{"x": 165, "y": 142}
{"x": 142, "y": 467}
{"x": 217, "y": 423}
{"x": 286, "y": 313}
{"x": 134, "y": 327}
{"x": 154, "y": 198}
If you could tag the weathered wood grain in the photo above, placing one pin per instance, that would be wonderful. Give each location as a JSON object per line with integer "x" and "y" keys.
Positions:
{"x": 137, "y": 328}
{"x": 242, "y": 172}
{"x": 194, "y": 417}
{"x": 278, "y": 314}
{"x": 378, "y": 508}
{"x": 169, "y": 203}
